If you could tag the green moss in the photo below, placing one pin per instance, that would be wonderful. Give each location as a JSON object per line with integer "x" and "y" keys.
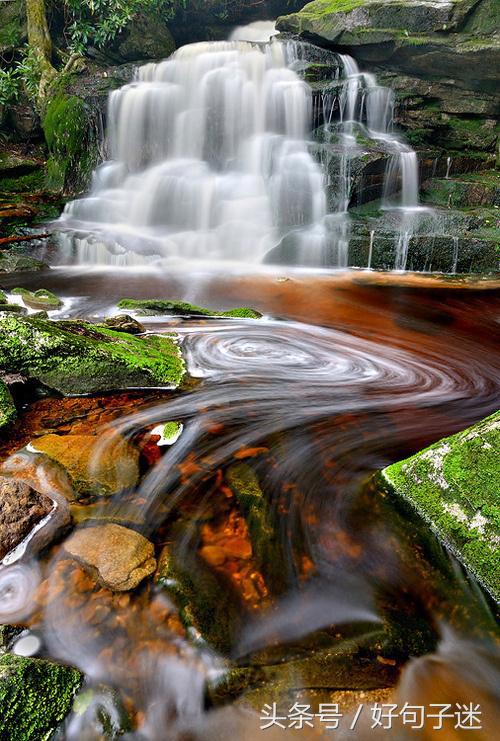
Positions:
{"x": 31, "y": 182}
{"x": 8, "y": 411}
{"x": 40, "y": 299}
{"x": 12, "y": 262}
{"x": 159, "y": 306}
{"x": 68, "y": 133}
{"x": 453, "y": 485}
{"x": 35, "y": 697}
{"x": 77, "y": 357}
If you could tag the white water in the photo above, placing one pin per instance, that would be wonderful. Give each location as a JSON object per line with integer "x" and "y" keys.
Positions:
{"x": 210, "y": 160}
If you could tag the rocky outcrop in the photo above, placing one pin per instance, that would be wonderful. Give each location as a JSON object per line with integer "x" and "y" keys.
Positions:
{"x": 430, "y": 53}
{"x": 7, "y": 407}
{"x": 453, "y": 486}
{"x": 121, "y": 557}
{"x": 77, "y": 357}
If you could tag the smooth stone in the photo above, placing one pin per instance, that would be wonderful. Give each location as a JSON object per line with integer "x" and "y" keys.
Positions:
{"x": 121, "y": 557}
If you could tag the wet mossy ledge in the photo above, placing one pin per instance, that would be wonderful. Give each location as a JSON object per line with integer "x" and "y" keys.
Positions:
{"x": 76, "y": 357}
{"x": 153, "y": 307}
{"x": 35, "y": 697}
{"x": 453, "y": 486}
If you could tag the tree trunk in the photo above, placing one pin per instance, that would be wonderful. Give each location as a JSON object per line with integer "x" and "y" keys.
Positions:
{"x": 39, "y": 39}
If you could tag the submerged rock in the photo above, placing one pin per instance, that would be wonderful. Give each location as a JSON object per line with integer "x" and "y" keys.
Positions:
{"x": 181, "y": 308}
{"x": 35, "y": 696}
{"x": 121, "y": 557}
{"x": 110, "y": 470}
{"x": 8, "y": 411}
{"x": 77, "y": 357}
{"x": 453, "y": 486}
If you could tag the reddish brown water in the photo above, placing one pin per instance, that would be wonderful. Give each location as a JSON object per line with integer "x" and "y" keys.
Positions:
{"x": 332, "y": 590}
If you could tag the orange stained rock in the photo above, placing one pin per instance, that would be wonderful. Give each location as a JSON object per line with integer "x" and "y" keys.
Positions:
{"x": 213, "y": 555}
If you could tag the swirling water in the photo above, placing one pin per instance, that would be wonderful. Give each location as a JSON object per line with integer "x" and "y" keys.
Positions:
{"x": 318, "y": 408}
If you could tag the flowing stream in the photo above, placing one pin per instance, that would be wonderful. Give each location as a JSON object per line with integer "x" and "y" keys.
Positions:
{"x": 314, "y": 402}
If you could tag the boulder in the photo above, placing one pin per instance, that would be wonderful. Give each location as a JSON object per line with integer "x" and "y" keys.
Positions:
{"x": 145, "y": 37}
{"x": 35, "y": 696}
{"x": 121, "y": 557}
{"x": 21, "y": 509}
{"x": 41, "y": 299}
{"x": 77, "y": 357}
{"x": 97, "y": 466}
{"x": 453, "y": 486}
{"x": 124, "y": 323}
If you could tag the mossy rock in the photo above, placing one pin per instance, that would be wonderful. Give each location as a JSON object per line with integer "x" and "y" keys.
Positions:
{"x": 8, "y": 411}
{"x": 70, "y": 132}
{"x": 14, "y": 262}
{"x": 78, "y": 358}
{"x": 181, "y": 308}
{"x": 41, "y": 299}
{"x": 453, "y": 486}
{"x": 35, "y": 697}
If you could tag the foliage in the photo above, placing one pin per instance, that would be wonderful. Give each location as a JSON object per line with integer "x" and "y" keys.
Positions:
{"x": 98, "y": 22}
{"x": 25, "y": 76}
{"x": 9, "y": 86}
{"x": 30, "y": 72}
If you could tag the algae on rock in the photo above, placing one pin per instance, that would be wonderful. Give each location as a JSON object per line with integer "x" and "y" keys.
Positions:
{"x": 35, "y": 696}
{"x": 77, "y": 357}
{"x": 160, "y": 306}
{"x": 453, "y": 486}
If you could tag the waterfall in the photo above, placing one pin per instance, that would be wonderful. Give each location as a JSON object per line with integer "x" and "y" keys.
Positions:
{"x": 211, "y": 160}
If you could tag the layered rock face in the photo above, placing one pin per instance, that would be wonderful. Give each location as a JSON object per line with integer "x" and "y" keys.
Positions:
{"x": 439, "y": 57}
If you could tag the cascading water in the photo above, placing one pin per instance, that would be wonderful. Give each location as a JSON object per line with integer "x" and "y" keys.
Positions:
{"x": 210, "y": 159}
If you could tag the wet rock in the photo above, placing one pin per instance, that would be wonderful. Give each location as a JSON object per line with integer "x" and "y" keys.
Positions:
{"x": 98, "y": 712}
{"x": 13, "y": 262}
{"x": 181, "y": 308}
{"x": 97, "y": 466}
{"x": 13, "y": 309}
{"x": 21, "y": 509}
{"x": 121, "y": 557}
{"x": 35, "y": 696}
{"x": 41, "y": 299}
{"x": 8, "y": 411}
{"x": 145, "y": 37}
{"x": 124, "y": 323}
{"x": 76, "y": 357}
{"x": 469, "y": 191}
{"x": 453, "y": 486}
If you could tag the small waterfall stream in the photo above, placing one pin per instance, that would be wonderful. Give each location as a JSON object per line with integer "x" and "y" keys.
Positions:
{"x": 210, "y": 159}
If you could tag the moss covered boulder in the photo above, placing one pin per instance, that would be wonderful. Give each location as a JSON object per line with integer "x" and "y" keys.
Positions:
{"x": 41, "y": 300}
{"x": 76, "y": 357}
{"x": 181, "y": 308}
{"x": 35, "y": 697}
{"x": 72, "y": 134}
{"x": 453, "y": 485}
{"x": 16, "y": 262}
